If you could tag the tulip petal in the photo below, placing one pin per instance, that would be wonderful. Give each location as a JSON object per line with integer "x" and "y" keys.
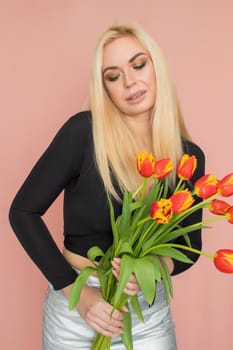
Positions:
{"x": 163, "y": 168}
{"x": 223, "y": 260}
{"x": 186, "y": 166}
{"x": 181, "y": 201}
{"x": 206, "y": 186}
{"x": 145, "y": 164}
{"x": 225, "y": 186}
{"x": 219, "y": 207}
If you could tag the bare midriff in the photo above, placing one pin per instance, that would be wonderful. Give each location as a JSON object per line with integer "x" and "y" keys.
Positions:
{"x": 75, "y": 260}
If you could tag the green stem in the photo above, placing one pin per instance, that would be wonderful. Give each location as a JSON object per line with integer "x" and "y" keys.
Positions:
{"x": 178, "y": 185}
{"x": 142, "y": 188}
{"x": 174, "y": 245}
{"x": 143, "y": 237}
{"x": 98, "y": 342}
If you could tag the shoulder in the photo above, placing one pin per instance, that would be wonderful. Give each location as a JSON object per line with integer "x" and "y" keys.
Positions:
{"x": 80, "y": 121}
{"x": 77, "y": 128}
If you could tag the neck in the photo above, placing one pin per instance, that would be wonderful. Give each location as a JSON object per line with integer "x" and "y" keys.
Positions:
{"x": 142, "y": 131}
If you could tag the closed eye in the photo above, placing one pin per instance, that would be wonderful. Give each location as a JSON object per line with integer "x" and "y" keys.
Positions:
{"x": 112, "y": 77}
{"x": 140, "y": 65}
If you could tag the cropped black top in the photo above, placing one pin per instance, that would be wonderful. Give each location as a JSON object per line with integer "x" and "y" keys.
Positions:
{"x": 68, "y": 164}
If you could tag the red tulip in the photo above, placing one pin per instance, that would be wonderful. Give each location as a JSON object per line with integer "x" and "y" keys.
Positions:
{"x": 206, "y": 186}
{"x": 161, "y": 211}
{"x": 146, "y": 164}
{"x": 223, "y": 260}
{"x": 225, "y": 186}
{"x": 181, "y": 201}
{"x": 219, "y": 207}
{"x": 163, "y": 168}
{"x": 186, "y": 166}
{"x": 229, "y": 215}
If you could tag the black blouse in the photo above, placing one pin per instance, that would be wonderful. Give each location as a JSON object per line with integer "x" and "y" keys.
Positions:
{"x": 68, "y": 164}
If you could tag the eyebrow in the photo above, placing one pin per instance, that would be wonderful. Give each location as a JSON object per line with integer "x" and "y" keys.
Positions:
{"x": 130, "y": 61}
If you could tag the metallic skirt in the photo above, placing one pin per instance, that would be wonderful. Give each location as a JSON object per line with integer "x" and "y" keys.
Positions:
{"x": 66, "y": 330}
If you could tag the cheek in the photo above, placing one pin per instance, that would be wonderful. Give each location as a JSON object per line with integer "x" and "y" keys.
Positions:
{"x": 152, "y": 82}
{"x": 114, "y": 93}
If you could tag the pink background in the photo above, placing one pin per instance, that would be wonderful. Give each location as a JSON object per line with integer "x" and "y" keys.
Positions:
{"x": 44, "y": 64}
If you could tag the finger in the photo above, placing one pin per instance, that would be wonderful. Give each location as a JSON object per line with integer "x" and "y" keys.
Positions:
{"x": 115, "y": 265}
{"x": 117, "y": 261}
{"x": 115, "y": 274}
{"x": 107, "y": 323}
{"x": 104, "y": 329}
{"x": 131, "y": 289}
{"x": 125, "y": 309}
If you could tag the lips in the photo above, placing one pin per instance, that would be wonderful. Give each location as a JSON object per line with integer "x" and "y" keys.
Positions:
{"x": 135, "y": 96}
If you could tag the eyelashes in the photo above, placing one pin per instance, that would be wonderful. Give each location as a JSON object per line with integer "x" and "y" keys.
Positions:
{"x": 140, "y": 65}
{"x": 114, "y": 77}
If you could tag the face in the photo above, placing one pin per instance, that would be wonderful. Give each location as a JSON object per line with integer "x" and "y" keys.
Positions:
{"x": 129, "y": 77}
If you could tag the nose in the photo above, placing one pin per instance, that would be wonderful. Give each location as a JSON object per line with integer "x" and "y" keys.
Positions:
{"x": 129, "y": 78}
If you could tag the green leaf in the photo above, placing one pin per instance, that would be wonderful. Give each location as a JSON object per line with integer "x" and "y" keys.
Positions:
{"x": 127, "y": 200}
{"x": 154, "y": 193}
{"x": 125, "y": 248}
{"x": 166, "y": 280}
{"x": 137, "y": 308}
{"x": 144, "y": 272}
{"x": 135, "y": 205}
{"x": 156, "y": 265}
{"x": 103, "y": 282}
{"x": 127, "y": 328}
{"x": 79, "y": 283}
{"x": 113, "y": 224}
{"x": 172, "y": 253}
{"x": 187, "y": 239}
{"x": 127, "y": 266}
{"x": 94, "y": 252}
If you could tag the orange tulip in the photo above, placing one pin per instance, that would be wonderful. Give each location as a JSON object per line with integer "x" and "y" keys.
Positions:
{"x": 186, "y": 166}
{"x": 206, "y": 186}
{"x": 181, "y": 201}
{"x": 229, "y": 215}
{"x": 219, "y": 207}
{"x": 223, "y": 260}
{"x": 163, "y": 168}
{"x": 225, "y": 186}
{"x": 161, "y": 211}
{"x": 146, "y": 164}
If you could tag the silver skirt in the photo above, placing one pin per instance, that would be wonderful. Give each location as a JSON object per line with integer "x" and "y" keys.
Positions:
{"x": 66, "y": 330}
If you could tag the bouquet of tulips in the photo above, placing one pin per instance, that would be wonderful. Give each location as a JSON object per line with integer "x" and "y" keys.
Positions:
{"x": 150, "y": 221}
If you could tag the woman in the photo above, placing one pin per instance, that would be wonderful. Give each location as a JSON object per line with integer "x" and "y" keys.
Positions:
{"x": 133, "y": 108}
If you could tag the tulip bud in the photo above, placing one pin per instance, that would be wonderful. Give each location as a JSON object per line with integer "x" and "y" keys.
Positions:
{"x": 223, "y": 260}
{"x": 186, "y": 166}
{"x": 181, "y": 201}
{"x": 163, "y": 168}
{"x": 146, "y": 164}
{"x": 229, "y": 215}
{"x": 206, "y": 186}
{"x": 219, "y": 207}
{"x": 225, "y": 186}
{"x": 161, "y": 211}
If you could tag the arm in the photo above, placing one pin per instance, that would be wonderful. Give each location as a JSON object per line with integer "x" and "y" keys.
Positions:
{"x": 45, "y": 182}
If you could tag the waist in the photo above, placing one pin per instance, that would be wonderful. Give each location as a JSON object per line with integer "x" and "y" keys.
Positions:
{"x": 75, "y": 260}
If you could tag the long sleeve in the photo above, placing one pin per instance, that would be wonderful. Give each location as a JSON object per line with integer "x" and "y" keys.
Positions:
{"x": 195, "y": 236}
{"x": 52, "y": 173}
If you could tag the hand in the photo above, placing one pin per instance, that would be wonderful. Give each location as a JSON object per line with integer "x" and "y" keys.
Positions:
{"x": 169, "y": 262}
{"x": 96, "y": 312}
{"x": 132, "y": 287}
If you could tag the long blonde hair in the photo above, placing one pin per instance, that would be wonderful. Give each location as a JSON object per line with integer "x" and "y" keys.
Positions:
{"x": 114, "y": 144}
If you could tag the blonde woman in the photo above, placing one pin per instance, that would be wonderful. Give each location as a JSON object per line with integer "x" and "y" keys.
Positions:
{"x": 133, "y": 107}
